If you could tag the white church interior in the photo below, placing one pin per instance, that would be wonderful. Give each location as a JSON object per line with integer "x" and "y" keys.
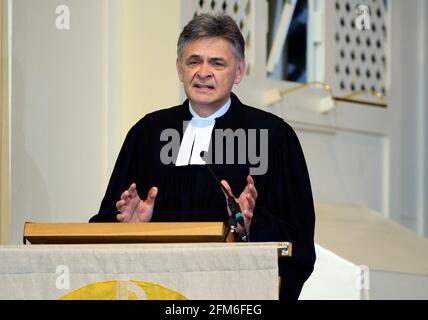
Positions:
{"x": 350, "y": 76}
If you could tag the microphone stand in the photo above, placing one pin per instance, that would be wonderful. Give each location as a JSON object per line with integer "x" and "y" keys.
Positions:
{"x": 236, "y": 217}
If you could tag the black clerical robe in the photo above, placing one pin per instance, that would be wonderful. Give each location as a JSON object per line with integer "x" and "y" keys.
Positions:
{"x": 284, "y": 208}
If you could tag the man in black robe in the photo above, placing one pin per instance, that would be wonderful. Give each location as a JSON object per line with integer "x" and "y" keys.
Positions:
{"x": 274, "y": 193}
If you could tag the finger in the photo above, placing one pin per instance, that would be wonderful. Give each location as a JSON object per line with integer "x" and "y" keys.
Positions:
{"x": 133, "y": 190}
{"x": 248, "y": 215}
{"x": 251, "y": 202}
{"x": 251, "y": 187}
{"x": 250, "y": 180}
{"x": 247, "y": 204}
{"x": 251, "y": 190}
{"x": 151, "y": 196}
{"x": 120, "y": 217}
{"x": 248, "y": 185}
{"x": 240, "y": 229}
{"x": 119, "y": 205}
{"x": 227, "y": 187}
{"x": 124, "y": 195}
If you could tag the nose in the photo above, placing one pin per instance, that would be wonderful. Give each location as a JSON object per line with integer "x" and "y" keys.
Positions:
{"x": 204, "y": 71}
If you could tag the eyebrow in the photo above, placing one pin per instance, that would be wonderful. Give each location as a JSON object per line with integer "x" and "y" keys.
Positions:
{"x": 193, "y": 56}
{"x": 213, "y": 59}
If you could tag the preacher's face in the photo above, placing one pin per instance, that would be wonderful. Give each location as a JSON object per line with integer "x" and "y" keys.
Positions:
{"x": 209, "y": 69}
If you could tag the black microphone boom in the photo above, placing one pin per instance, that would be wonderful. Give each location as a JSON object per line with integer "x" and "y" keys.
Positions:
{"x": 234, "y": 207}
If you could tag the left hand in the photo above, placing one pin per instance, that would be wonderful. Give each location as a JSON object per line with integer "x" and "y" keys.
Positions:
{"x": 246, "y": 200}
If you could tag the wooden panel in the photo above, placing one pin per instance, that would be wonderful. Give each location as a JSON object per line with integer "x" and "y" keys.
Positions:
{"x": 79, "y": 233}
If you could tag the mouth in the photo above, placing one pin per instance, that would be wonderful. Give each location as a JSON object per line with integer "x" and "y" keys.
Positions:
{"x": 203, "y": 87}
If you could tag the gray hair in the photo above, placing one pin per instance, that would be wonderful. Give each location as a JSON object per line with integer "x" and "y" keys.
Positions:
{"x": 209, "y": 26}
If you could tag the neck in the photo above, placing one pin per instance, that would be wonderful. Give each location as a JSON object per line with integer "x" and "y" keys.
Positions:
{"x": 206, "y": 110}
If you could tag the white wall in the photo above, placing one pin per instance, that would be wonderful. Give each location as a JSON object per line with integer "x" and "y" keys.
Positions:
{"x": 75, "y": 94}
{"x": 58, "y": 145}
{"x": 398, "y": 286}
{"x": 345, "y": 167}
{"x": 407, "y": 105}
{"x": 150, "y": 32}
{"x": 424, "y": 93}
{"x": 423, "y": 120}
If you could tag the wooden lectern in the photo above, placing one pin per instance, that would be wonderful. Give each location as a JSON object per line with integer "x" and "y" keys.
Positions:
{"x": 153, "y": 232}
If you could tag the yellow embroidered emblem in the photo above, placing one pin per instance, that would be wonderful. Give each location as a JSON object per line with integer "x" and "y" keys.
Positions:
{"x": 123, "y": 290}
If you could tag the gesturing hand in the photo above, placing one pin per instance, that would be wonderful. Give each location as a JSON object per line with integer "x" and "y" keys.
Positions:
{"x": 132, "y": 208}
{"x": 247, "y": 202}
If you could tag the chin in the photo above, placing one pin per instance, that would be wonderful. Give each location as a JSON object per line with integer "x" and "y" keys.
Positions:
{"x": 203, "y": 100}
{"x": 203, "y": 103}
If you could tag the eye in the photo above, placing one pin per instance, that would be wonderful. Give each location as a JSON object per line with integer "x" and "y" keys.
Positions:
{"x": 218, "y": 64}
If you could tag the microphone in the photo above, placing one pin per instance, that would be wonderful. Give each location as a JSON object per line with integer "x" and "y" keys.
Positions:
{"x": 233, "y": 206}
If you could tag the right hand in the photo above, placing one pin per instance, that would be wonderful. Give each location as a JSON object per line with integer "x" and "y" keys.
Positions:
{"x": 132, "y": 208}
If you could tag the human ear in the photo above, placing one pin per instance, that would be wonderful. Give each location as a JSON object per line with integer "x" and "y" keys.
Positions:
{"x": 240, "y": 71}
{"x": 179, "y": 69}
